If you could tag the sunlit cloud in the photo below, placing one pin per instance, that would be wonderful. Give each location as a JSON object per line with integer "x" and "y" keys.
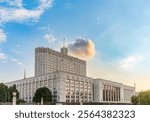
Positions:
{"x": 82, "y": 48}
{"x": 130, "y": 62}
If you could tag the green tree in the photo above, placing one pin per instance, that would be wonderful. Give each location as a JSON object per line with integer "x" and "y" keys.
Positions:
{"x": 19, "y": 101}
{"x": 44, "y": 93}
{"x": 143, "y": 98}
{"x": 3, "y": 92}
{"x": 134, "y": 100}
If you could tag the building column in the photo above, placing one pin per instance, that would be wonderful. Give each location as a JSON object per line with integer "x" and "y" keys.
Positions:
{"x": 101, "y": 87}
{"x": 105, "y": 92}
{"x": 110, "y": 93}
{"x": 69, "y": 90}
{"x": 121, "y": 94}
{"x": 113, "y": 94}
{"x": 118, "y": 93}
{"x": 75, "y": 90}
{"x": 79, "y": 91}
{"x": 88, "y": 91}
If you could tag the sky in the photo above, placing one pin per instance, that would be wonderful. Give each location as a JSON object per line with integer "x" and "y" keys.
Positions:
{"x": 113, "y": 36}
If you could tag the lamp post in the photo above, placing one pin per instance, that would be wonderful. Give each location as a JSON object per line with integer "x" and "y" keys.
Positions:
{"x": 14, "y": 98}
{"x": 41, "y": 101}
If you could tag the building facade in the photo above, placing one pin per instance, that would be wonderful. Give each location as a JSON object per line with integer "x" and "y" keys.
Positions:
{"x": 110, "y": 91}
{"x": 65, "y": 76}
{"x": 49, "y": 61}
{"x": 65, "y": 87}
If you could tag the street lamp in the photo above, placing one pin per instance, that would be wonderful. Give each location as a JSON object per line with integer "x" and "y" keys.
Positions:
{"x": 41, "y": 101}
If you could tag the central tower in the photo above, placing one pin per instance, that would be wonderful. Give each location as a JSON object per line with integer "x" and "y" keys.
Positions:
{"x": 49, "y": 61}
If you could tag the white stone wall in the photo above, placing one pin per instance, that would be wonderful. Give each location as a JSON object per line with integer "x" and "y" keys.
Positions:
{"x": 65, "y": 76}
{"x": 124, "y": 95}
{"x": 71, "y": 89}
{"x": 28, "y": 86}
{"x": 56, "y": 82}
{"x": 128, "y": 92}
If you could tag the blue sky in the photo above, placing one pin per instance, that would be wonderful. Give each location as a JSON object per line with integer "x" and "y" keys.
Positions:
{"x": 119, "y": 30}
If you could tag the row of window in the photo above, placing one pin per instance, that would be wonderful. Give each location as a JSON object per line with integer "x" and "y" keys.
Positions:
{"x": 74, "y": 89}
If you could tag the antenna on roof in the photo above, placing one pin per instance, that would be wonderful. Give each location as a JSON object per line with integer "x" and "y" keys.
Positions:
{"x": 64, "y": 41}
{"x": 24, "y": 74}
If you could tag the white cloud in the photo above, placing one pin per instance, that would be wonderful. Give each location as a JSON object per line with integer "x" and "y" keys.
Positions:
{"x": 16, "y": 61}
{"x": 19, "y": 13}
{"x": 5, "y": 59}
{"x": 2, "y": 56}
{"x": 130, "y": 62}
{"x": 44, "y": 4}
{"x": 49, "y": 38}
{"x": 17, "y": 3}
{"x": 16, "y": 51}
{"x": 2, "y": 36}
{"x": 42, "y": 28}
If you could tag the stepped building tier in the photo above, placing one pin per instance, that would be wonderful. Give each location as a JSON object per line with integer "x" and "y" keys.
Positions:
{"x": 65, "y": 76}
{"x": 50, "y": 61}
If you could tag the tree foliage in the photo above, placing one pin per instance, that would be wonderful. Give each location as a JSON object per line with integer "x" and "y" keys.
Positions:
{"x": 3, "y": 92}
{"x": 44, "y": 93}
{"x": 143, "y": 98}
{"x": 134, "y": 100}
{"x": 19, "y": 101}
{"x": 6, "y": 93}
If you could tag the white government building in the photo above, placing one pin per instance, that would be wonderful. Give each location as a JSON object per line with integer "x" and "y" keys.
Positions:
{"x": 65, "y": 76}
